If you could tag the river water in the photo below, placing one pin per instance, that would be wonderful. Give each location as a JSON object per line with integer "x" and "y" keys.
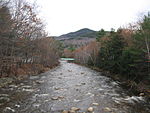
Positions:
{"x": 70, "y": 85}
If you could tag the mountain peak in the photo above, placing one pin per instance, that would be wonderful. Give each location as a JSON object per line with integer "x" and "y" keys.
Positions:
{"x": 85, "y": 32}
{"x": 85, "y": 29}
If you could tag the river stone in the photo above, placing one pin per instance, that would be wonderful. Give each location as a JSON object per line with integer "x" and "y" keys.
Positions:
{"x": 75, "y": 100}
{"x": 90, "y": 109}
{"x": 9, "y": 109}
{"x": 28, "y": 90}
{"x": 43, "y": 95}
{"x": 36, "y": 105}
{"x": 141, "y": 94}
{"x": 17, "y": 105}
{"x": 95, "y": 104}
{"x": 54, "y": 98}
{"x": 65, "y": 111}
{"x": 4, "y": 95}
{"x": 61, "y": 97}
{"x": 72, "y": 111}
{"x": 75, "y": 109}
{"x": 40, "y": 81}
{"x": 107, "y": 109}
{"x": 13, "y": 86}
{"x": 56, "y": 88}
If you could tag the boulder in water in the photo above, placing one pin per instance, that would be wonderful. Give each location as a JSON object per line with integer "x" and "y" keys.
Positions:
{"x": 95, "y": 104}
{"x": 65, "y": 111}
{"x": 90, "y": 109}
{"x": 75, "y": 109}
{"x": 107, "y": 109}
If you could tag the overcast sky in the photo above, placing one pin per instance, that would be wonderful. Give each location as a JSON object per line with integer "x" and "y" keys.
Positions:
{"x": 63, "y": 16}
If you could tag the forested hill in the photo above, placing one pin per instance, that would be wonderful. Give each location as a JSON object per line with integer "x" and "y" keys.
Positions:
{"x": 80, "y": 33}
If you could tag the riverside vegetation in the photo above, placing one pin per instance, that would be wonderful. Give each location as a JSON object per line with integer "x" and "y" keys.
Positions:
{"x": 125, "y": 53}
{"x": 24, "y": 46}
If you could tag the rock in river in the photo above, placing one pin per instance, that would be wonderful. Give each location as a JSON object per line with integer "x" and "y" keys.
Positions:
{"x": 65, "y": 111}
{"x": 90, "y": 109}
{"x": 107, "y": 109}
{"x": 95, "y": 104}
{"x": 54, "y": 98}
{"x": 72, "y": 111}
{"x": 141, "y": 94}
{"x": 75, "y": 109}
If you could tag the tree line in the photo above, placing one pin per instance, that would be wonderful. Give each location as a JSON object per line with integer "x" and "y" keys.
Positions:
{"x": 125, "y": 52}
{"x": 24, "y": 45}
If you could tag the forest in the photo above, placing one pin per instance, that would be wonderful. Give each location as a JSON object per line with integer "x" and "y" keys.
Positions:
{"x": 124, "y": 53}
{"x": 24, "y": 45}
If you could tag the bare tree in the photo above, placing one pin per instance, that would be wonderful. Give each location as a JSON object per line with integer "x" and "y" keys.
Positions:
{"x": 23, "y": 38}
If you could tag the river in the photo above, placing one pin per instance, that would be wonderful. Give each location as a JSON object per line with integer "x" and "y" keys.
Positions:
{"x": 70, "y": 85}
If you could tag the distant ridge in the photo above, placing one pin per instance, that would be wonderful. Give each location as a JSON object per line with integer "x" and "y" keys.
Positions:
{"x": 80, "y": 33}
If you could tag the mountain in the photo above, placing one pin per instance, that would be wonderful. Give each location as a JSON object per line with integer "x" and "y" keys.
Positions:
{"x": 80, "y": 34}
{"x": 78, "y": 38}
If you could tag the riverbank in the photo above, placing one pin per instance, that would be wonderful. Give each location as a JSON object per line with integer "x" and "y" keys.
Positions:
{"x": 138, "y": 89}
{"x": 24, "y": 72}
